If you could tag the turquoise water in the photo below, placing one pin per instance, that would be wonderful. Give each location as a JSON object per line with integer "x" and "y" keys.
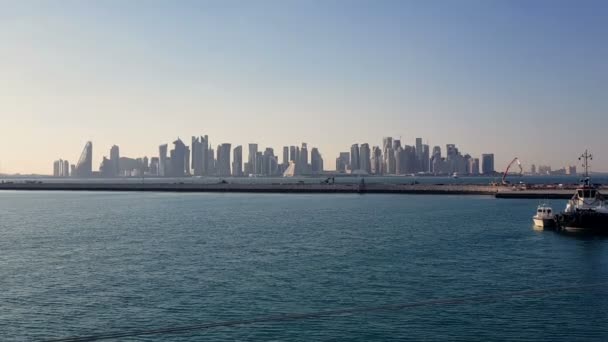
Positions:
{"x": 90, "y": 263}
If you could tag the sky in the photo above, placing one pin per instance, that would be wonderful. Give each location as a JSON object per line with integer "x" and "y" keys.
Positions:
{"x": 516, "y": 78}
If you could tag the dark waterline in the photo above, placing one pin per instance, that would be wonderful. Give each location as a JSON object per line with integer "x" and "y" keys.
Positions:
{"x": 87, "y": 263}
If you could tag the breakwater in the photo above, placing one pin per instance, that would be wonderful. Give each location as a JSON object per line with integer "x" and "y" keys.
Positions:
{"x": 431, "y": 189}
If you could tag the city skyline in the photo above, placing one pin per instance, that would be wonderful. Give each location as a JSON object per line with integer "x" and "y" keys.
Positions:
{"x": 512, "y": 78}
{"x": 94, "y": 159}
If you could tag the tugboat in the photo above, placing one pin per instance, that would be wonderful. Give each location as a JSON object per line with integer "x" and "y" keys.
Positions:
{"x": 586, "y": 211}
{"x": 544, "y": 217}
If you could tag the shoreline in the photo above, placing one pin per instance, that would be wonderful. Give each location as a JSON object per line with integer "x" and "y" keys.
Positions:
{"x": 420, "y": 189}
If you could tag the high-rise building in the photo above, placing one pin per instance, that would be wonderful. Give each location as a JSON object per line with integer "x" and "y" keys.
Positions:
{"x": 61, "y": 168}
{"x": 376, "y": 161}
{"x": 106, "y": 168}
{"x": 419, "y": 154}
{"x": 285, "y": 155}
{"x": 435, "y": 161}
{"x": 115, "y": 161}
{"x": 343, "y": 162}
{"x": 223, "y": 160}
{"x": 292, "y": 154}
{"x": 354, "y": 158}
{"x": 425, "y": 158}
{"x": 271, "y": 162}
{"x": 162, "y": 161}
{"x": 178, "y": 158}
{"x": 487, "y": 163}
{"x": 533, "y": 169}
{"x": 237, "y": 161}
{"x": 365, "y": 158}
{"x": 154, "y": 166}
{"x": 387, "y": 144}
{"x": 391, "y": 165}
{"x": 474, "y": 166}
{"x": 400, "y": 161}
{"x": 84, "y": 167}
{"x": 252, "y": 161}
{"x": 200, "y": 150}
{"x": 316, "y": 161}
{"x": 302, "y": 164}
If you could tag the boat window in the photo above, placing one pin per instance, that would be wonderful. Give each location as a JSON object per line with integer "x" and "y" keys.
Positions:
{"x": 548, "y": 211}
{"x": 592, "y": 193}
{"x": 580, "y": 193}
{"x": 540, "y": 210}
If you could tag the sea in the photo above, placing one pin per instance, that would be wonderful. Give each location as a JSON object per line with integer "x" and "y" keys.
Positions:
{"x": 265, "y": 267}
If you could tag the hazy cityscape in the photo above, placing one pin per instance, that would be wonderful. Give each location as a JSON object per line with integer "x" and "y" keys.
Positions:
{"x": 304, "y": 170}
{"x": 200, "y": 159}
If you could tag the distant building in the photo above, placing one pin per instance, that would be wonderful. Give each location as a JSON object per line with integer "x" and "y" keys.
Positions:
{"x": 61, "y": 168}
{"x": 200, "y": 158}
{"x": 533, "y": 169}
{"x": 179, "y": 158}
{"x": 285, "y": 155}
{"x": 316, "y": 161}
{"x": 162, "y": 161}
{"x": 487, "y": 163}
{"x": 474, "y": 166}
{"x": 154, "y": 166}
{"x": 354, "y": 158}
{"x": 343, "y": 162}
{"x": 237, "y": 161}
{"x": 84, "y": 167}
{"x": 571, "y": 170}
{"x": 223, "y": 160}
{"x": 376, "y": 161}
{"x": 544, "y": 169}
{"x": 114, "y": 161}
{"x": 365, "y": 158}
{"x": 252, "y": 160}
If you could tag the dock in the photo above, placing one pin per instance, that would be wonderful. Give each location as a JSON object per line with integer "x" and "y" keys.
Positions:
{"x": 372, "y": 188}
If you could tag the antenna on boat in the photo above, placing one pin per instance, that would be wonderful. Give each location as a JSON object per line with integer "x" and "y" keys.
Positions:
{"x": 585, "y": 157}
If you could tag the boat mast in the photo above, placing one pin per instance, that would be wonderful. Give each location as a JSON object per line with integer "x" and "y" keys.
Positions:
{"x": 585, "y": 157}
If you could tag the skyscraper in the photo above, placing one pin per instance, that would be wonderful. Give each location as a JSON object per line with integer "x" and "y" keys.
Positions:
{"x": 387, "y": 144}
{"x": 115, "y": 161}
{"x": 84, "y": 167}
{"x": 354, "y": 158}
{"x": 487, "y": 163}
{"x": 285, "y": 155}
{"x": 474, "y": 166}
{"x": 61, "y": 168}
{"x": 343, "y": 162}
{"x": 162, "y": 160}
{"x": 223, "y": 160}
{"x": 237, "y": 161}
{"x": 419, "y": 153}
{"x": 178, "y": 159}
{"x": 377, "y": 161}
{"x": 365, "y": 158}
{"x": 252, "y": 161}
{"x": 316, "y": 161}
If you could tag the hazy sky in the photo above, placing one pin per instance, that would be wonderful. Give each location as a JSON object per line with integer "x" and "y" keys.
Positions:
{"x": 517, "y": 78}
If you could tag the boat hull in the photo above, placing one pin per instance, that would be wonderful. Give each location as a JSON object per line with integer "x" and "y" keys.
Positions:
{"x": 584, "y": 222}
{"x": 544, "y": 223}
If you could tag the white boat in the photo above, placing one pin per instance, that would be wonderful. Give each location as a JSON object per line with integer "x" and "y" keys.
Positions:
{"x": 544, "y": 216}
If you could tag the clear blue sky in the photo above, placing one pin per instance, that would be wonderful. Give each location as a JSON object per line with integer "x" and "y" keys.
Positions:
{"x": 518, "y": 78}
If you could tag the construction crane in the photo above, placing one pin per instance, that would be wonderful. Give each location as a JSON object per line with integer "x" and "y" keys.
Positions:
{"x": 504, "y": 175}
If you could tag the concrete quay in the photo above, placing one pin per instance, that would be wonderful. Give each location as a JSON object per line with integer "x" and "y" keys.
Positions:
{"x": 430, "y": 189}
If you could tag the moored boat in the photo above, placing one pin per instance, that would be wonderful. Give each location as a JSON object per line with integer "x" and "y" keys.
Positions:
{"x": 544, "y": 217}
{"x": 586, "y": 211}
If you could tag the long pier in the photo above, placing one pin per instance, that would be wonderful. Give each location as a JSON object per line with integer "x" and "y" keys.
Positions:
{"x": 373, "y": 188}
